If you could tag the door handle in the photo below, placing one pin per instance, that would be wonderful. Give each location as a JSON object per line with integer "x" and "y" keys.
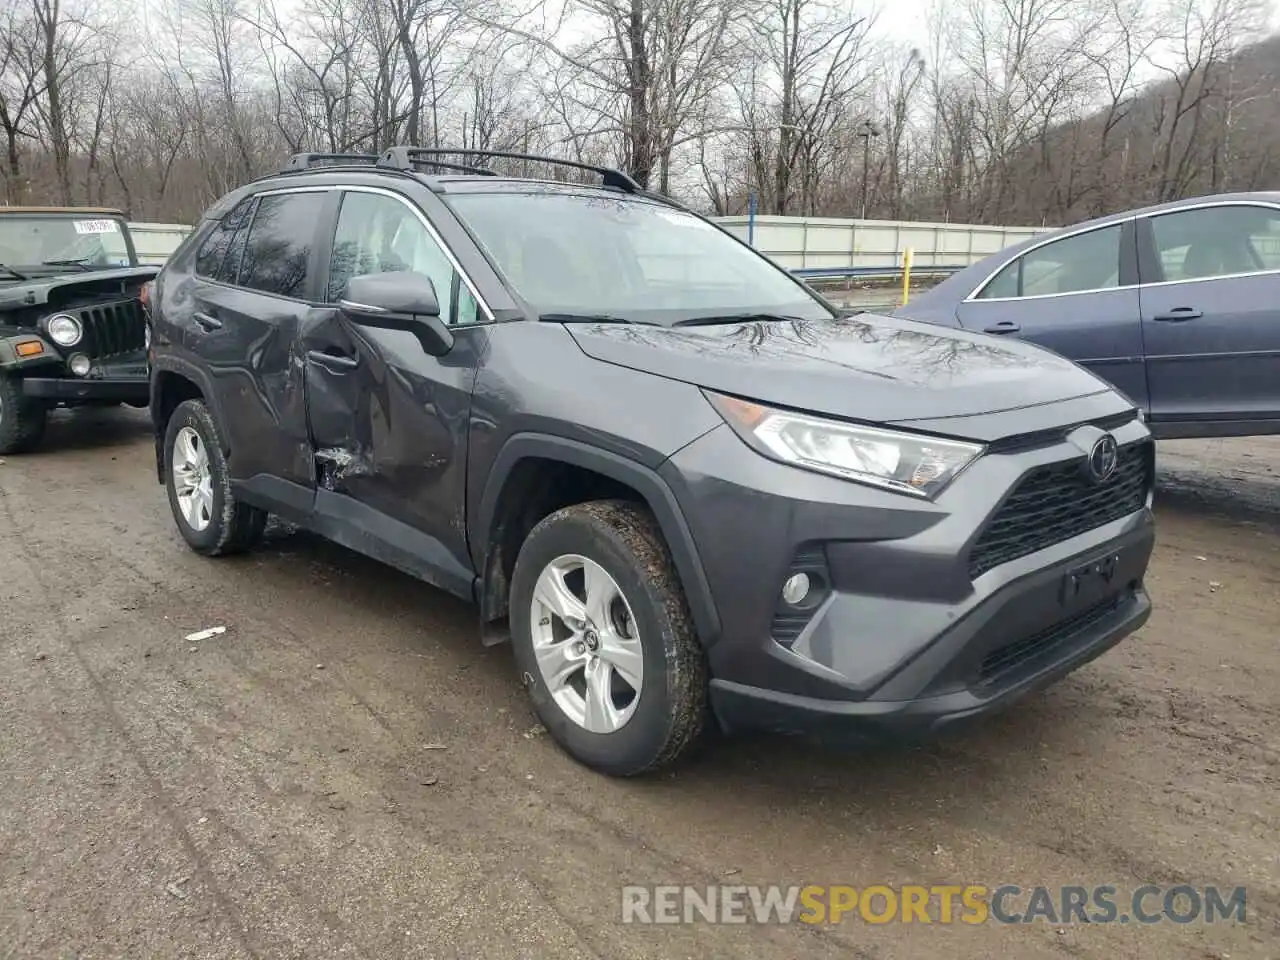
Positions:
{"x": 1004, "y": 326}
{"x": 1178, "y": 314}
{"x": 206, "y": 320}
{"x": 333, "y": 361}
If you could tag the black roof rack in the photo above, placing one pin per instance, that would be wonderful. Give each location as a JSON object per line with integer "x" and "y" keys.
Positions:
{"x": 305, "y": 161}
{"x": 410, "y": 158}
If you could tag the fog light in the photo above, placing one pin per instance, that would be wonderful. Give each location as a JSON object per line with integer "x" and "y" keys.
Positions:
{"x": 79, "y": 365}
{"x": 796, "y": 588}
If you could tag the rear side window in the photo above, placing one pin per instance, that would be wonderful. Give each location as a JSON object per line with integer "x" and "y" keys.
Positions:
{"x": 1217, "y": 241}
{"x": 277, "y": 254}
{"x": 212, "y": 260}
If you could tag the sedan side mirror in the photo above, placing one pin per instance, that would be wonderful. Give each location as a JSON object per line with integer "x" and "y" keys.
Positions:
{"x": 402, "y": 300}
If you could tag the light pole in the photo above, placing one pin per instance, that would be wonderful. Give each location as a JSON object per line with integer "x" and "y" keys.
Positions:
{"x": 866, "y": 130}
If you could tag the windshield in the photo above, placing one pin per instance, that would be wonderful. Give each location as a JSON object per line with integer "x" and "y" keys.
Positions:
{"x": 581, "y": 255}
{"x": 29, "y": 242}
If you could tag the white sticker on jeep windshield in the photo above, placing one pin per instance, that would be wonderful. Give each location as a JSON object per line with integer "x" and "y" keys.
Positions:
{"x": 96, "y": 226}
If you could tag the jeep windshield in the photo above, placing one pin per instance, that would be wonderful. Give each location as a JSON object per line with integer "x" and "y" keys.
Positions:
{"x": 591, "y": 257}
{"x": 43, "y": 243}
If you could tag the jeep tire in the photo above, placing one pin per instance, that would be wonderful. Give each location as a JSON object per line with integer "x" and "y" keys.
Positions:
{"x": 221, "y": 525}
{"x": 22, "y": 420}
{"x": 617, "y": 543}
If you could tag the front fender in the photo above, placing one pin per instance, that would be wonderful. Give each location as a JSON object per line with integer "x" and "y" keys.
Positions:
{"x": 13, "y": 364}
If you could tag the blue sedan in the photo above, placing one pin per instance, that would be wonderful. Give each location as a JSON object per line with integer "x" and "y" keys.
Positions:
{"x": 1177, "y": 305}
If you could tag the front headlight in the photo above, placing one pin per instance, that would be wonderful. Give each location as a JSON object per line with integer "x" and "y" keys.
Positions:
{"x": 64, "y": 330}
{"x": 904, "y": 462}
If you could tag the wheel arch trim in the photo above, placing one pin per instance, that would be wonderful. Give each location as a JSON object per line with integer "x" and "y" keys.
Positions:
{"x": 185, "y": 371}
{"x": 655, "y": 492}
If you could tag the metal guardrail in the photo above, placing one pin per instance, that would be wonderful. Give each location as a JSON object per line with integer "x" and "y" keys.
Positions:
{"x": 870, "y": 273}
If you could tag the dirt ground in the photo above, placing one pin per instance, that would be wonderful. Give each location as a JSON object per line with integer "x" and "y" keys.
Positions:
{"x": 346, "y": 772}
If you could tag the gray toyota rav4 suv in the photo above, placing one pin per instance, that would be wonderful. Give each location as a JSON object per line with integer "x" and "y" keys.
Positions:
{"x": 684, "y": 486}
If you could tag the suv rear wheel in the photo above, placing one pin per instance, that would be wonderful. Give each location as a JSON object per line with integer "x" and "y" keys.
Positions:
{"x": 22, "y": 420}
{"x": 199, "y": 486}
{"x": 604, "y": 640}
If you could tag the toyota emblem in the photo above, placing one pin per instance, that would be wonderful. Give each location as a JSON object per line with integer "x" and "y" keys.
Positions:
{"x": 1103, "y": 458}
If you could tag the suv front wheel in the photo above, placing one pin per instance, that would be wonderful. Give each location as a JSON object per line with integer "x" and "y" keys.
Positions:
{"x": 604, "y": 641}
{"x": 209, "y": 517}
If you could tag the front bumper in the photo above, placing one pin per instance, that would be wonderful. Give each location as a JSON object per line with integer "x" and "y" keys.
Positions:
{"x": 906, "y": 638}
{"x": 120, "y": 380}
{"x": 950, "y": 683}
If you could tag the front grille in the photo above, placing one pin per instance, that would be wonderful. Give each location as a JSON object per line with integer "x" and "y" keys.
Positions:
{"x": 111, "y": 329}
{"x": 1000, "y": 662}
{"x": 1057, "y": 502}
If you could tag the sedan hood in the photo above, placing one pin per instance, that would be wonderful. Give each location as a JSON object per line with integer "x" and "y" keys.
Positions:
{"x": 867, "y": 368}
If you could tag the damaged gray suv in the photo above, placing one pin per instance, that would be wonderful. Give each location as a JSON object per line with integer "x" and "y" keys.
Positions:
{"x": 685, "y": 487}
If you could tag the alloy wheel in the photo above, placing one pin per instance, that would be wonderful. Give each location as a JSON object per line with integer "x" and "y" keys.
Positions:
{"x": 192, "y": 479}
{"x": 586, "y": 643}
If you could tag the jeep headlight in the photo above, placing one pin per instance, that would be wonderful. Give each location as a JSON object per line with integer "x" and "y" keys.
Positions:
{"x": 64, "y": 330}
{"x": 904, "y": 462}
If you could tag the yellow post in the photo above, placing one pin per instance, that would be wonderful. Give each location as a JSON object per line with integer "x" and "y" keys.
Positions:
{"x": 906, "y": 275}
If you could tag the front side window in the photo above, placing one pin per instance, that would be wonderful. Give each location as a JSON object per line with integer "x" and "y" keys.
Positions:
{"x": 589, "y": 254}
{"x": 56, "y": 242}
{"x": 1216, "y": 241}
{"x": 1082, "y": 262}
{"x": 277, "y": 253}
{"x": 379, "y": 234}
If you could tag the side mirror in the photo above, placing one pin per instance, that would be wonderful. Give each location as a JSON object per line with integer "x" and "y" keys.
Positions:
{"x": 403, "y": 300}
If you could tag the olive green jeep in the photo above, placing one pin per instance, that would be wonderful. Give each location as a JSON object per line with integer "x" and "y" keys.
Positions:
{"x": 73, "y": 325}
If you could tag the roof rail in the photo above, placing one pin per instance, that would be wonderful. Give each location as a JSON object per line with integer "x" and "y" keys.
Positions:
{"x": 409, "y": 158}
{"x": 305, "y": 161}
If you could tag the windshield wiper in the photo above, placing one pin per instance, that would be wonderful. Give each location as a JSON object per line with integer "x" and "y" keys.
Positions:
{"x": 582, "y": 318}
{"x": 67, "y": 262}
{"x": 737, "y": 318}
{"x": 14, "y": 273}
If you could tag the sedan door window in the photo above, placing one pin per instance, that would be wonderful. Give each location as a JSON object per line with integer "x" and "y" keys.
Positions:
{"x": 1217, "y": 241}
{"x": 1074, "y": 264}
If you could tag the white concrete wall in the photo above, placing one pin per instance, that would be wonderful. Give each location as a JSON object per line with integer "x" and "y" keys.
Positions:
{"x": 156, "y": 241}
{"x": 815, "y": 242}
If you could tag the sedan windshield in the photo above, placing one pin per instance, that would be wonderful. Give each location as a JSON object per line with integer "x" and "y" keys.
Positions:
{"x": 591, "y": 256}
{"x": 43, "y": 242}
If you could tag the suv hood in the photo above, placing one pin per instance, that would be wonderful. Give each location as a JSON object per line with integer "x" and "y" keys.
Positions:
{"x": 868, "y": 368}
{"x": 15, "y": 294}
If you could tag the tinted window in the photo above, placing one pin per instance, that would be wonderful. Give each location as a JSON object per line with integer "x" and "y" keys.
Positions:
{"x": 1217, "y": 241}
{"x": 592, "y": 253}
{"x": 278, "y": 251}
{"x": 379, "y": 234}
{"x": 211, "y": 259}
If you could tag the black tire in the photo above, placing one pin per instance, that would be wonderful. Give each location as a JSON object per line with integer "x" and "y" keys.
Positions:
{"x": 22, "y": 420}
{"x": 671, "y": 709}
{"x": 234, "y": 527}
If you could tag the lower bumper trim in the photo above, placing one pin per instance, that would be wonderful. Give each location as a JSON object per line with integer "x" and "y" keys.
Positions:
{"x": 136, "y": 391}
{"x": 741, "y": 707}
